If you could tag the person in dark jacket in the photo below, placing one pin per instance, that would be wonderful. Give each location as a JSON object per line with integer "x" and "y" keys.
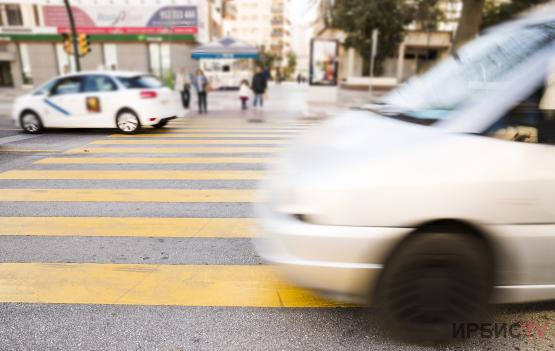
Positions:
{"x": 201, "y": 86}
{"x": 259, "y": 85}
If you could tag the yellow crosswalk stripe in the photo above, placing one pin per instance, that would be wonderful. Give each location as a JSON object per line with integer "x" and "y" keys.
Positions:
{"x": 151, "y": 160}
{"x": 205, "y": 135}
{"x": 126, "y": 195}
{"x": 132, "y": 175}
{"x": 224, "y": 131}
{"x": 128, "y": 227}
{"x": 134, "y": 284}
{"x": 188, "y": 142}
{"x": 172, "y": 150}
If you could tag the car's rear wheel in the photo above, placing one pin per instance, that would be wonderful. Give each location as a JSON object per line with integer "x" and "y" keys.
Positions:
{"x": 31, "y": 123}
{"x": 434, "y": 280}
{"x": 161, "y": 124}
{"x": 128, "y": 122}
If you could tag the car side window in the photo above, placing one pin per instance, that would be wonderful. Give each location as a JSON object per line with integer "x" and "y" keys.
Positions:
{"x": 99, "y": 83}
{"x": 46, "y": 88}
{"x": 69, "y": 85}
{"x": 531, "y": 121}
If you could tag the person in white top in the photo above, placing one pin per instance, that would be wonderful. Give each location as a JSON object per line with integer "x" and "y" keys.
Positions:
{"x": 182, "y": 85}
{"x": 245, "y": 93}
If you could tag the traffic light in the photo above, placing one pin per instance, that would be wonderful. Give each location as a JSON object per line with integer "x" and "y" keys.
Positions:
{"x": 84, "y": 44}
{"x": 68, "y": 44}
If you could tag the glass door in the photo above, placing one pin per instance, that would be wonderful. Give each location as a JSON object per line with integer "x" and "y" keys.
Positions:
{"x": 6, "y": 79}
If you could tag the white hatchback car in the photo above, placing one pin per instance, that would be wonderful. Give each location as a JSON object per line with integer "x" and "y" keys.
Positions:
{"x": 436, "y": 201}
{"x": 115, "y": 99}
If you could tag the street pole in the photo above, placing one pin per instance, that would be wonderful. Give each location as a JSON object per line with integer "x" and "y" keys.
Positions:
{"x": 373, "y": 54}
{"x": 73, "y": 36}
{"x": 375, "y": 33}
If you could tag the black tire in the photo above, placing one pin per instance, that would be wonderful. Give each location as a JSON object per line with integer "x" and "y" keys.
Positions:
{"x": 31, "y": 123}
{"x": 433, "y": 280}
{"x": 128, "y": 122}
{"x": 161, "y": 124}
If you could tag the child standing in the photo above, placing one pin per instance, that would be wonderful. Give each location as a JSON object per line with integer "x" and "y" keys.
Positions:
{"x": 244, "y": 93}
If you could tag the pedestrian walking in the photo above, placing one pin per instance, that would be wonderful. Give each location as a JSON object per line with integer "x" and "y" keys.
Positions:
{"x": 183, "y": 86}
{"x": 244, "y": 93}
{"x": 201, "y": 87}
{"x": 259, "y": 85}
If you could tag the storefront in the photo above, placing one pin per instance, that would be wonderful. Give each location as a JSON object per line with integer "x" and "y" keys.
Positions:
{"x": 149, "y": 38}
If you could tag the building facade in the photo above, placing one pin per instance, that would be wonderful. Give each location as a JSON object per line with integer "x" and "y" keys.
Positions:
{"x": 153, "y": 36}
{"x": 262, "y": 23}
{"x": 420, "y": 49}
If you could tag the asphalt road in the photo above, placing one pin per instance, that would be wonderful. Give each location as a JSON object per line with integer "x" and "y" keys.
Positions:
{"x": 73, "y": 279}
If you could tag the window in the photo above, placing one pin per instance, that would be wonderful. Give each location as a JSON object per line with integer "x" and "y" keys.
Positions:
{"x": 13, "y": 14}
{"x": 36, "y": 15}
{"x": 25, "y": 64}
{"x": 45, "y": 88}
{"x": 98, "y": 83}
{"x": 159, "y": 58}
{"x": 5, "y": 74}
{"x": 140, "y": 82}
{"x": 110, "y": 56}
{"x": 531, "y": 121}
{"x": 471, "y": 73}
{"x": 69, "y": 85}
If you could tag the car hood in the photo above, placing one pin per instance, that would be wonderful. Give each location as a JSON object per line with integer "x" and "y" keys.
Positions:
{"x": 350, "y": 138}
{"x": 363, "y": 169}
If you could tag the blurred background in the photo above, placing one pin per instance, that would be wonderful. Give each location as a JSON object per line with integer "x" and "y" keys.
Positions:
{"x": 398, "y": 38}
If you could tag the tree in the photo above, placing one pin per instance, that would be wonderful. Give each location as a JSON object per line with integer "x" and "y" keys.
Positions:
{"x": 291, "y": 65}
{"x": 428, "y": 14}
{"x": 357, "y": 18}
{"x": 266, "y": 59}
{"x": 495, "y": 12}
{"x": 469, "y": 23}
{"x": 478, "y": 14}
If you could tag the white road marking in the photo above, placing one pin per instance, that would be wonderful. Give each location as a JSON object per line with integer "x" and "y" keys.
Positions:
{"x": 13, "y": 138}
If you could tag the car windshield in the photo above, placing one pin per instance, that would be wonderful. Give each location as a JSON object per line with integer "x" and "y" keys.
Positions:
{"x": 45, "y": 88}
{"x": 140, "y": 82}
{"x": 477, "y": 69}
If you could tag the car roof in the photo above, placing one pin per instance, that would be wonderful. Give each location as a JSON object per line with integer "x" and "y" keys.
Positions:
{"x": 109, "y": 73}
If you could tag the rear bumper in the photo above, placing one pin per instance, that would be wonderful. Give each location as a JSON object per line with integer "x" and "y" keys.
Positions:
{"x": 340, "y": 262}
{"x": 148, "y": 122}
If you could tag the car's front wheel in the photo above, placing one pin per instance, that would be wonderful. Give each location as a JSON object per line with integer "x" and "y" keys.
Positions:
{"x": 128, "y": 122}
{"x": 31, "y": 123}
{"x": 434, "y": 280}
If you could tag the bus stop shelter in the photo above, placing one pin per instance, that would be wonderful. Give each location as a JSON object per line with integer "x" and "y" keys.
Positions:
{"x": 226, "y": 48}
{"x": 226, "y": 62}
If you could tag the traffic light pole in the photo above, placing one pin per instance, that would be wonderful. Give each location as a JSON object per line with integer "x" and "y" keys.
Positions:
{"x": 73, "y": 36}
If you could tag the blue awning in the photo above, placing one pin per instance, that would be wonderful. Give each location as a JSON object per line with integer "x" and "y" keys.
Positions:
{"x": 226, "y": 48}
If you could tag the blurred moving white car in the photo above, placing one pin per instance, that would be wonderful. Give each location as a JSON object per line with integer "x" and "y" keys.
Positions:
{"x": 436, "y": 201}
{"x": 115, "y": 99}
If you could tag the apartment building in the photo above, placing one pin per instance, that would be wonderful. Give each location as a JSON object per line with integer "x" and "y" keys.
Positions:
{"x": 147, "y": 35}
{"x": 263, "y": 23}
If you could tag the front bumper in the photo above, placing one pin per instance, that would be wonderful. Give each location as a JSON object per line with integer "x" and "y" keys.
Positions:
{"x": 341, "y": 262}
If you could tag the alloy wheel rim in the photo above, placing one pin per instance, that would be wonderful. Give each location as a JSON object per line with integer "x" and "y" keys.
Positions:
{"x": 30, "y": 123}
{"x": 128, "y": 122}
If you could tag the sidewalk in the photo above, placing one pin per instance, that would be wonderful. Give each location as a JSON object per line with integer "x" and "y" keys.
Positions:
{"x": 287, "y": 100}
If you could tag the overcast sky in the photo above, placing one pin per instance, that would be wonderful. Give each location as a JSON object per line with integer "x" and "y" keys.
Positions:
{"x": 301, "y": 11}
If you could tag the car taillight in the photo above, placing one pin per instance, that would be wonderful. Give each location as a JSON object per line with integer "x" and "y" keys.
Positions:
{"x": 148, "y": 94}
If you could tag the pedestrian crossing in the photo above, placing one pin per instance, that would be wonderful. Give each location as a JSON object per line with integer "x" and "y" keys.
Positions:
{"x": 204, "y": 150}
{"x": 128, "y": 227}
{"x": 173, "y": 150}
{"x": 132, "y": 175}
